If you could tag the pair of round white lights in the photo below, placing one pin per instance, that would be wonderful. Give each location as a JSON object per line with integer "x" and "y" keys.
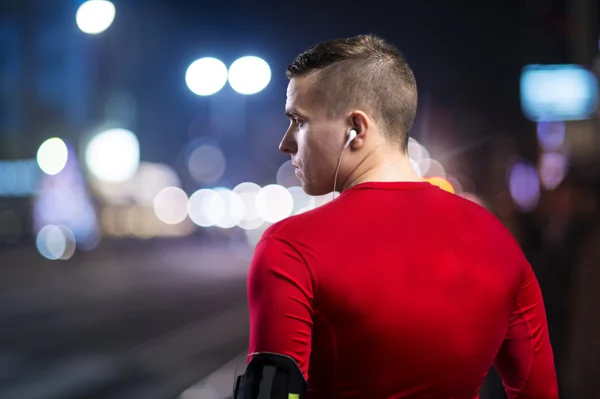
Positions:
{"x": 247, "y": 75}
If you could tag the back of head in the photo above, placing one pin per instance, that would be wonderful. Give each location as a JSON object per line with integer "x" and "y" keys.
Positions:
{"x": 363, "y": 72}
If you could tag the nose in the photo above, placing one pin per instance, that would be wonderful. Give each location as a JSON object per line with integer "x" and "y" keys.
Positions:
{"x": 288, "y": 143}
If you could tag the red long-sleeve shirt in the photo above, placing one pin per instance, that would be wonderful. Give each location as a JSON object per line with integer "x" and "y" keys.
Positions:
{"x": 400, "y": 290}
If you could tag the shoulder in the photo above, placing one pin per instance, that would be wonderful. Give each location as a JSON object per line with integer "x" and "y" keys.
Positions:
{"x": 491, "y": 235}
{"x": 480, "y": 218}
{"x": 484, "y": 231}
{"x": 292, "y": 246}
{"x": 280, "y": 260}
{"x": 301, "y": 228}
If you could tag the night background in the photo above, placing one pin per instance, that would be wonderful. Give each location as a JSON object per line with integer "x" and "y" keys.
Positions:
{"x": 134, "y": 186}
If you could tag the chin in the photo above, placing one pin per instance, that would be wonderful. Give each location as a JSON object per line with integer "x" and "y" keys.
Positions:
{"x": 314, "y": 191}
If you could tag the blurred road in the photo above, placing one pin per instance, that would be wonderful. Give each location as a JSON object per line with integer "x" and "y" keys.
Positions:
{"x": 159, "y": 319}
{"x": 129, "y": 319}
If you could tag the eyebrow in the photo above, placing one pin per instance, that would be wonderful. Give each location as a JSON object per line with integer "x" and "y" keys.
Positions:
{"x": 291, "y": 113}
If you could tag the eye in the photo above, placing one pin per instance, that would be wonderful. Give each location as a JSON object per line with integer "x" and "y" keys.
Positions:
{"x": 299, "y": 122}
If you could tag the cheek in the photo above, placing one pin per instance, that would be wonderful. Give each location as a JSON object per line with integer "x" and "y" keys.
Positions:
{"x": 306, "y": 144}
{"x": 315, "y": 149}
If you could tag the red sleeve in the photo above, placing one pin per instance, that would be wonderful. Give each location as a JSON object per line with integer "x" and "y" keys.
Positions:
{"x": 280, "y": 297}
{"x": 525, "y": 361}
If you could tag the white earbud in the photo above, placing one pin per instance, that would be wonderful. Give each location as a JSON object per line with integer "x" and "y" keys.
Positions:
{"x": 351, "y": 136}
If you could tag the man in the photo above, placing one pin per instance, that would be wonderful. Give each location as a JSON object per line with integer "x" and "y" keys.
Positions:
{"x": 396, "y": 289}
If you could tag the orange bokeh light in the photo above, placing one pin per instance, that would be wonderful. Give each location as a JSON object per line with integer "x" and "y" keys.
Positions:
{"x": 441, "y": 183}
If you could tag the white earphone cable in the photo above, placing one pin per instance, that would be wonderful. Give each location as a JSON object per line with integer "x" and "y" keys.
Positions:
{"x": 336, "y": 173}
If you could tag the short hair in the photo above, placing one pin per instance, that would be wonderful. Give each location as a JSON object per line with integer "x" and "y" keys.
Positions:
{"x": 363, "y": 71}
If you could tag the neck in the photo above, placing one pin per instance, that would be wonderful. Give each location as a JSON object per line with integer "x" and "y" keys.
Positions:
{"x": 382, "y": 166}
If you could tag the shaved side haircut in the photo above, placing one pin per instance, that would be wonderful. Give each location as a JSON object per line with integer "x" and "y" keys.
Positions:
{"x": 365, "y": 72}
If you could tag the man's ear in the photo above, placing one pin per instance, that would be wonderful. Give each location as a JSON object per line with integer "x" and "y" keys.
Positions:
{"x": 360, "y": 122}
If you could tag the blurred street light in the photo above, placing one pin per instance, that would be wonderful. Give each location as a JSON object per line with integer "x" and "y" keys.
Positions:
{"x": 95, "y": 16}
{"x": 249, "y": 75}
{"x": 52, "y": 156}
{"x": 113, "y": 155}
{"x": 206, "y": 76}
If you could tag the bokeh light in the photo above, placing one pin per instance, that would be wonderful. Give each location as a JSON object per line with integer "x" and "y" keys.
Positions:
{"x": 113, "y": 155}
{"x": 249, "y": 75}
{"x": 206, "y": 207}
{"x": 248, "y": 192}
{"x": 64, "y": 200}
{"x": 524, "y": 186}
{"x": 233, "y": 209}
{"x": 415, "y": 150}
{"x": 52, "y": 156}
{"x": 222, "y": 208}
{"x": 150, "y": 179}
{"x": 274, "y": 203}
{"x": 441, "y": 183}
{"x": 302, "y": 201}
{"x": 455, "y": 183}
{"x": 206, "y": 76}
{"x": 286, "y": 175}
{"x": 95, "y": 16}
{"x": 463, "y": 183}
{"x": 206, "y": 163}
{"x": 55, "y": 242}
{"x": 558, "y": 92}
{"x": 420, "y": 155}
{"x": 171, "y": 205}
{"x": 434, "y": 168}
{"x": 552, "y": 169}
{"x": 551, "y": 135}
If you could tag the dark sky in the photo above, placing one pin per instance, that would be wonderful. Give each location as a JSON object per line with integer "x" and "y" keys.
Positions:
{"x": 467, "y": 57}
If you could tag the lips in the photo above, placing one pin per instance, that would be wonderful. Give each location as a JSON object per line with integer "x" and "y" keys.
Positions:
{"x": 297, "y": 170}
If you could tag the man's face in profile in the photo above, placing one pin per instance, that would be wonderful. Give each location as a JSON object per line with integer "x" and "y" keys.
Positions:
{"x": 313, "y": 140}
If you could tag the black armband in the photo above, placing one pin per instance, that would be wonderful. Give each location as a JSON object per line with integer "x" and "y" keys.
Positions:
{"x": 271, "y": 376}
